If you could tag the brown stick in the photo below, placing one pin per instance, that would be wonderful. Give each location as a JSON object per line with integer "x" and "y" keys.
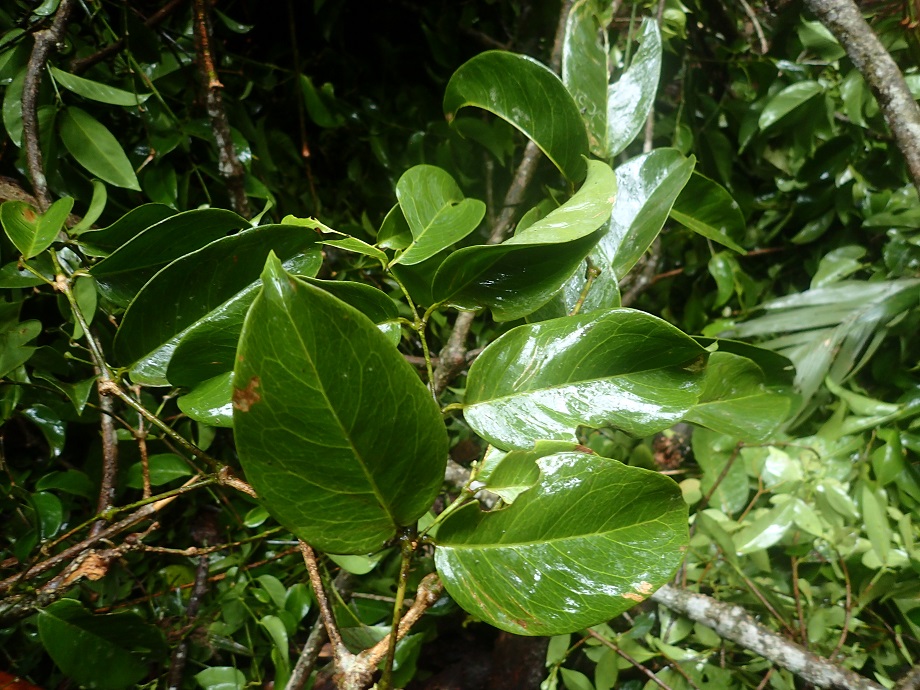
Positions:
{"x": 228, "y": 164}
{"x": 844, "y": 19}
{"x": 109, "y": 459}
{"x": 44, "y": 40}
{"x": 82, "y": 64}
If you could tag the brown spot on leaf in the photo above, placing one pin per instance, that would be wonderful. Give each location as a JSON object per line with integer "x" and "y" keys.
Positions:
{"x": 584, "y": 449}
{"x": 245, "y": 398}
{"x": 29, "y": 215}
{"x": 633, "y": 596}
{"x": 644, "y": 589}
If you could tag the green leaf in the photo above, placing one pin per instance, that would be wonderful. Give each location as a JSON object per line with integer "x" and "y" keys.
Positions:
{"x": 208, "y": 347}
{"x": 619, "y": 368}
{"x": 647, "y": 188}
{"x": 518, "y": 276}
{"x": 631, "y": 98}
{"x": 736, "y": 401}
{"x": 170, "y": 303}
{"x": 584, "y": 68}
{"x": 878, "y": 529}
{"x": 587, "y": 542}
{"x": 437, "y": 213}
{"x": 575, "y": 680}
{"x": 81, "y": 644}
{"x": 353, "y": 244}
{"x": 13, "y": 350}
{"x": 714, "y": 452}
{"x": 316, "y": 107}
{"x": 103, "y": 241}
{"x": 30, "y": 232}
{"x": 95, "y": 91}
{"x": 529, "y": 96}
{"x": 786, "y": 101}
{"x": 125, "y": 271}
{"x": 164, "y": 468}
{"x": 722, "y": 269}
{"x": 221, "y": 678}
{"x": 706, "y": 208}
{"x": 357, "y": 447}
{"x": 96, "y": 207}
{"x": 96, "y": 149}
{"x": 394, "y": 232}
{"x": 210, "y": 402}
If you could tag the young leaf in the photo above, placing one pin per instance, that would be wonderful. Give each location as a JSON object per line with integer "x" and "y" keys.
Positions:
{"x": 81, "y": 644}
{"x": 96, "y": 91}
{"x": 437, "y": 213}
{"x": 520, "y": 275}
{"x": 96, "y": 149}
{"x": 30, "y": 232}
{"x": 707, "y": 208}
{"x": 529, "y": 96}
{"x": 170, "y": 303}
{"x": 631, "y": 97}
{"x": 591, "y": 539}
{"x": 584, "y": 68}
{"x": 356, "y": 446}
{"x": 619, "y": 368}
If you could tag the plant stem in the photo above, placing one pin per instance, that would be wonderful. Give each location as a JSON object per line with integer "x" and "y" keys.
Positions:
{"x": 406, "y": 552}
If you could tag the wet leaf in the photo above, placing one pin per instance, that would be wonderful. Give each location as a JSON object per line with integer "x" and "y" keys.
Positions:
{"x": 529, "y": 96}
{"x": 591, "y": 539}
{"x": 619, "y": 368}
{"x": 357, "y": 447}
{"x": 708, "y": 209}
{"x": 31, "y": 232}
{"x": 631, "y": 97}
{"x": 584, "y": 68}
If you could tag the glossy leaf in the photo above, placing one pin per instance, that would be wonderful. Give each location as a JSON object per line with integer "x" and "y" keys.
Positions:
{"x": 353, "y": 244}
{"x": 631, "y": 97}
{"x": 516, "y": 471}
{"x": 163, "y": 468}
{"x": 125, "y": 271}
{"x": 584, "y": 68}
{"x": 103, "y": 241}
{"x": 97, "y": 91}
{"x": 96, "y": 148}
{"x": 529, "y": 96}
{"x": 221, "y": 678}
{"x": 394, "y": 232}
{"x": 518, "y": 276}
{"x": 170, "y": 303}
{"x": 591, "y": 539}
{"x": 786, "y": 101}
{"x": 30, "y": 232}
{"x": 436, "y": 211}
{"x": 647, "y": 187}
{"x": 210, "y": 401}
{"x": 208, "y": 347}
{"x": 96, "y": 207}
{"x": 736, "y": 401}
{"x": 707, "y": 208}
{"x": 81, "y": 643}
{"x": 618, "y": 368}
{"x": 13, "y": 350}
{"x": 357, "y": 447}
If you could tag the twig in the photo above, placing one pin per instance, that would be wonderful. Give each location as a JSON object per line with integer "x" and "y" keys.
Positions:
{"x": 749, "y": 11}
{"x": 797, "y": 595}
{"x": 910, "y": 681}
{"x": 82, "y": 64}
{"x": 339, "y": 650}
{"x": 44, "y": 40}
{"x": 109, "y": 458}
{"x": 645, "y": 671}
{"x": 180, "y": 654}
{"x": 844, "y": 19}
{"x": 733, "y": 623}
{"x": 848, "y": 609}
{"x": 308, "y": 656}
{"x": 227, "y": 161}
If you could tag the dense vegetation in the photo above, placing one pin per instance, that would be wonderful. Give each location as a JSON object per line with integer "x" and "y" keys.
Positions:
{"x": 334, "y": 276}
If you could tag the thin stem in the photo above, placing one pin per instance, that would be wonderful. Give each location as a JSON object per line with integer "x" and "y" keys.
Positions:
{"x": 325, "y": 609}
{"x": 406, "y": 552}
{"x": 645, "y": 671}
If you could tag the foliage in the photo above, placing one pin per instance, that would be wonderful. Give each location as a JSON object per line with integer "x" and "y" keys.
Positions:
{"x": 301, "y": 346}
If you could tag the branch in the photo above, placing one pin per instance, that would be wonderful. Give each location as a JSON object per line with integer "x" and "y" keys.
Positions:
{"x": 109, "y": 457}
{"x": 844, "y": 20}
{"x": 82, "y": 64}
{"x": 227, "y": 161}
{"x": 735, "y": 624}
{"x": 44, "y": 40}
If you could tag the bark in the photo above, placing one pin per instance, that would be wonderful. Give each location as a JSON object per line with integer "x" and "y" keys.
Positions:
{"x": 844, "y": 20}
{"x": 733, "y": 623}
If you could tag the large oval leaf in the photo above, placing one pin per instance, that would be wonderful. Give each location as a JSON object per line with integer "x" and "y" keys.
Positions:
{"x": 529, "y": 96}
{"x": 631, "y": 97}
{"x": 30, "y": 232}
{"x": 334, "y": 430}
{"x": 588, "y": 541}
{"x": 436, "y": 211}
{"x": 82, "y": 644}
{"x": 170, "y": 303}
{"x": 96, "y": 148}
{"x": 520, "y": 275}
{"x": 707, "y": 208}
{"x": 128, "y": 268}
{"x": 619, "y": 368}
